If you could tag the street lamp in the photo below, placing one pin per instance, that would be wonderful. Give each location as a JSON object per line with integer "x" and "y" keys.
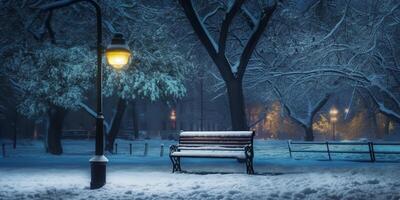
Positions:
{"x": 118, "y": 55}
{"x": 173, "y": 118}
{"x": 269, "y": 121}
{"x": 333, "y": 117}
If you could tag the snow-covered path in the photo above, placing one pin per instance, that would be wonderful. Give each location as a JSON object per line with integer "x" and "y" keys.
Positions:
{"x": 67, "y": 177}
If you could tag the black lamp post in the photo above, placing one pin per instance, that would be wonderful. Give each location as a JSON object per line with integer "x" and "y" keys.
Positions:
{"x": 118, "y": 55}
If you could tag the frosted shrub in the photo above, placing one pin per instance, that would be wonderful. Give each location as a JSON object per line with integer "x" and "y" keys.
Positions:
{"x": 53, "y": 76}
{"x": 154, "y": 73}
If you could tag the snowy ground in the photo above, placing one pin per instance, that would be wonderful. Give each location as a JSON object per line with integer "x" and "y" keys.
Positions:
{"x": 29, "y": 173}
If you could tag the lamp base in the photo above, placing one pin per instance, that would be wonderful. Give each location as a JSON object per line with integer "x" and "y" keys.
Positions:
{"x": 98, "y": 166}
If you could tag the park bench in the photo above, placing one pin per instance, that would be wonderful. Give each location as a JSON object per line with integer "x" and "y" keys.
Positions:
{"x": 214, "y": 144}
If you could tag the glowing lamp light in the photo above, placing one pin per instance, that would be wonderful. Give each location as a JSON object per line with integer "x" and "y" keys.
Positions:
{"x": 118, "y": 59}
{"x": 118, "y": 53}
{"x": 333, "y": 111}
{"x": 173, "y": 115}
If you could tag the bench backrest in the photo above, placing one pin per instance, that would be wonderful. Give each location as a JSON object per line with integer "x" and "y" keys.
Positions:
{"x": 233, "y": 139}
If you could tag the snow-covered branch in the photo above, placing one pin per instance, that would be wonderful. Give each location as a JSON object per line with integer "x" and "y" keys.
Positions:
{"x": 253, "y": 40}
{"x": 93, "y": 113}
{"x": 226, "y": 22}
{"x": 335, "y": 28}
{"x": 206, "y": 38}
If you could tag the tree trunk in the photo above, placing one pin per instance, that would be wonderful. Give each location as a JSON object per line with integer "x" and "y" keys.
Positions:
{"x": 374, "y": 131}
{"x": 309, "y": 133}
{"x": 321, "y": 10}
{"x": 386, "y": 127}
{"x": 217, "y": 53}
{"x": 115, "y": 125}
{"x": 135, "y": 120}
{"x": 56, "y": 119}
{"x": 46, "y": 122}
{"x": 236, "y": 105}
{"x": 201, "y": 103}
{"x": 15, "y": 121}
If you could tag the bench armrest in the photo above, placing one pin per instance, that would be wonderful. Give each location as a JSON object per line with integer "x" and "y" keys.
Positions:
{"x": 173, "y": 148}
{"x": 248, "y": 150}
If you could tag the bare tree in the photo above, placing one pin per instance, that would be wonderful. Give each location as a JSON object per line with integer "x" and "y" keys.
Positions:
{"x": 339, "y": 45}
{"x": 232, "y": 73}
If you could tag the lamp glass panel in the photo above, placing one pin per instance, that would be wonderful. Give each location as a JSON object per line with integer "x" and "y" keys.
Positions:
{"x": 118, "y": 59}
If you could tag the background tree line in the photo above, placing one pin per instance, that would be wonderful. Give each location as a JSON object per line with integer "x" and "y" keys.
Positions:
{"x": 300, "y": 53}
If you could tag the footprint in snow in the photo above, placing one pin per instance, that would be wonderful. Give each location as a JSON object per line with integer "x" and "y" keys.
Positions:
{"x": 373, "y": 182}
{"x": 128, "y": 192}
{"x": 195, "y": 187}
{"x": 232, "y": 192}
{"x": 356, "y": 183}
{"x": 307, "y": 191}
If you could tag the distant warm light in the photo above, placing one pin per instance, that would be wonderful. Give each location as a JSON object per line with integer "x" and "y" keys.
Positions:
{"x": 35, "y": 133}
{"x": 173, "y": 115}
{"x": 333, "y": 111}
{"x": 333, "y": 114}
{"x": 321, "y": 124}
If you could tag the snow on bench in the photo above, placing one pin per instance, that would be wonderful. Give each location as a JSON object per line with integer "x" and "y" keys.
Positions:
{"x": 216, "y": 133}
{"x": 209, "y": 148}
{"x": 214, "y": 144}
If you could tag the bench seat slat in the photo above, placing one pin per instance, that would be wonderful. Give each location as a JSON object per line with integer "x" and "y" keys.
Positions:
{"x": 210, "y": 154}
{"x": 217, "y": 133}
{"x": 214, "y": 141}
{"x": 216, "y": 138}
{"x": 215, "y": 145}
{"x": 212, "y": 148}
{"x": 212, "y": 145}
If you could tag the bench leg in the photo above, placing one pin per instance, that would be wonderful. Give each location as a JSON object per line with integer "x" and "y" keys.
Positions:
{"x": 176, "y": 164}
{"x": 249, "y": 166}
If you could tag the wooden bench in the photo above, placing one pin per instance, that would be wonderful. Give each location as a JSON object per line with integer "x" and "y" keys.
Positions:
{"x": 214, "y": 144}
